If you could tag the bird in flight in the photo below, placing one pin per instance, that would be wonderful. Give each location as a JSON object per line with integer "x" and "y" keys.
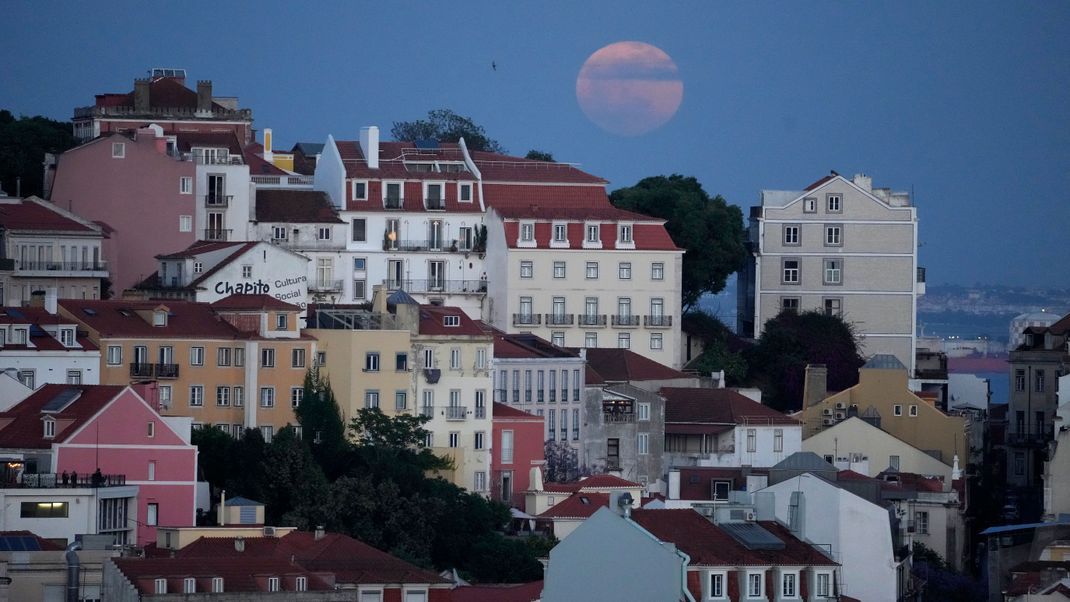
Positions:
{"x": 493, "y": 66}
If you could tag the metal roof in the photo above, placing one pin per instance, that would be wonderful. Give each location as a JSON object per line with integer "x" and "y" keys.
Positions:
{"x": 806, "y": 462}
{"x": 884, "y": 361}
{"x": 752, "y": 535}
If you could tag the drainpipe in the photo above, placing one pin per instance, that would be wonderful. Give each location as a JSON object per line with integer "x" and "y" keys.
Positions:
{"x": 73, "y": 570}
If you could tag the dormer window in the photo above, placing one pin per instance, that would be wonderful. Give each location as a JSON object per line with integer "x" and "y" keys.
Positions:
{"x": 360, "y": 190}
{"x": 159, "y": 317}
{"x": 592, "y": 236}
{"x": 324, "y": 233}
{"x": 464, "y": 192}
{"x": 392, "y": 195}
{"x": 50, "y": 428}
{"x": 1028, "y": 340}
{"x": 66, "y": 337}
{"x": 433, "y": 198}
{"x": 198, "y": 267}
{"x": 451, "y": 320}
{"x": 527, "y": 234}
{"x": 560, "y": 233}
{"x": 624, "y": 236}
{"x": 592, "y": 233}
{"x": 281, "y": 321}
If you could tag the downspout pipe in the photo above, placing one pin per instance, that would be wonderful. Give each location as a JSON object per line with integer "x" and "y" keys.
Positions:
{"x": 74, "y": 567}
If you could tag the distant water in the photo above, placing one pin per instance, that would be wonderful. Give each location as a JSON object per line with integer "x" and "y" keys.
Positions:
{"x": 999, "y": 383}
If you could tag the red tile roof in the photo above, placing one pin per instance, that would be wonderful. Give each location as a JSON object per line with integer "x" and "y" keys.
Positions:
{"x": 502, "y": 195}
{"x": 500, "y": 410}
{"x": 296, "y": 207}
{"x": 717, "y": 406}
{"x": 254, "y": 302}
{"x": 579, "y": 505}
{"x": 593, "y": 483}
{"x": 624, "y": 365}
{"x": 821, "y": 182}
{"x": 350, "y": 560}
{"x": 432, "y": 322}
{"x": 528, "y": 346}
{"x": 229, "y": 140}
{"x": 30, "y": 214}
{"x": 499, "y": 592}
{"x": 24, "y": 429}
{"x": 258, "y": 166}
{"x": 240, "y": 574}
{"x": 164, "y": 92}
{"x": 495, "y": 167}
{"x": 119, "y": 318}
{"x": 696, "y": 483}
{"x": 200, "y": 247}
{"x": 709, "y": 545}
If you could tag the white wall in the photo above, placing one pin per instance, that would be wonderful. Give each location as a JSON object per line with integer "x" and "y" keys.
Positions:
{"x": 855, "y": 436}
{"x": 330, "y": 175}
{"x": 276, "y": 272}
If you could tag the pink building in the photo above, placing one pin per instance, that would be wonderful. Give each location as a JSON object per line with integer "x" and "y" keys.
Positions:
{"x": 135, "y": 187}
{"x": 65, "y": 430}
{"x": 517, "y": 448}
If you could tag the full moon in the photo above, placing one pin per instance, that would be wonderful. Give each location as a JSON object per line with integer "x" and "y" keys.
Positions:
{"x": 629, "y": 88}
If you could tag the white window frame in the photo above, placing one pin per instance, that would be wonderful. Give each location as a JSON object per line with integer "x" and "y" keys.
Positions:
{"x": 657, "y": 342}
{"x": 826, "y": 591}
{"x": 526, "y": 235}
{"x": 189, "y": 585}
{"x": 624, "y": 270}
{"x": 217, "y": 585}
{"x": 642, "y": 444}
{"x": 118, "y": 150}
{"x": 791, "y": 577}
{"x": 527, "y": 269}
{"x": 353, "y": 190}
{"x": 185, "y": 223}
{"x": 625, "y": 236}
{"x": 115, "y": 355}
{"x": 750, "y": 592}
{"x": 461, "y": 187}
{"x": 591, "y": 270}
{"x": 834, "y": 202}
{"x": 273, "y": 584}
{"x": 185, "y": 185}
{"x": 711, "y": 594}
{"x": 790, "y": 275}
{"x": 160, "y": 586}
{"x": 657, "y": 270}
{"x": 643, "y": 411}
{"x": 833, "y": 271}
{"x": 897, "y": 409}
{"x": 792, "y": 235}
{"x": 401, "y": 191}
{"x": 559, "y": 269}
{"x": 589, "y": 241}
{"x": 559, "y": 242}
{"x": 833, "y": 236}
{"x": 267, "y": 397}
{"x": 810, "y": 205}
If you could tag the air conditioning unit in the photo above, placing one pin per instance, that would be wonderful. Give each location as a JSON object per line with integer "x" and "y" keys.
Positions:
{"x": 826, "y": 412}
{"x": 269, "y": 531}
{"x": 840, "y": 405}
{"x": 840, "y": 415}
{"x": 750, "y": 517}
{"x": 828, "y": 422}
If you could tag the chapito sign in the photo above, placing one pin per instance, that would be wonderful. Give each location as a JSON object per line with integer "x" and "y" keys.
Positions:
{"x": 292, "y": 289}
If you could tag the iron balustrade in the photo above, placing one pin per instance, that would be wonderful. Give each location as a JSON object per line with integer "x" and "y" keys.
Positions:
{"x": 392, "y": 203}
{"x": 436, "y": 205}
{"x": 138, "y": 370}
{"x": 526, "y": 319}
{"x": 560, "y": 319}
{"x": 217, "y": 234}
{"x": 456, "y": 413}
{"x": 438, "y": 285}
{"x": 217, "y": 200}
{"x": 325, "y": 285}
{"x": 481, "y": 412}
{"x": 166, "y": 370}
{"x": 657, "y": 321}
{"x": 592, "y": 320}
{"x": 62, "y": 266}
{"x": 624, "y": 320}
{"x": 58, "y": 480}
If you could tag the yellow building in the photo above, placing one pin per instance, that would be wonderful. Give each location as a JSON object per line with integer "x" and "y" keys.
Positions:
{"x": 237, "y": 363}
{"x": 883, "y": 399}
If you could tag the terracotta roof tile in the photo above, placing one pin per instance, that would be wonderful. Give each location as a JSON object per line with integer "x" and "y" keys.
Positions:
{"x": 501, "y": 410}
{"x": 499, "y": 592}
{"x": 433, "y": 322}
{"x": 240, "y": 574}
{"x": 623, "y": 365}
{"x": 717, "y": 406}
{"x": 254, "y": 302}
{"x": 119, "y": 318}
{"x": 37, "y": 215}
{"x": 295, "y": 206}
{"x": 229, "y": 140}
{"x": 579, "y": 505}
{"x": 24, "y": 429}
{"x": 528, "y": 346}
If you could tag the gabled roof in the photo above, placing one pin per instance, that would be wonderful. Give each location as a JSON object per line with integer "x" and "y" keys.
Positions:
{"x": 36, "y": 214}
{"x": 242, "y": 501}
{"x": 593, "y": 483}
{"x": 239, "y": 573}
{"x": 528, "y": 346}
{"x": 710, "y": 545}
{"x": 253, "y": 303}
{"x": 625, "y": 365}
{"x": 295, "y": 207}
{"x": 200, "y": 247}
{"x": 806, "y": 462}
{"x": 24, "y": 429}
{"x": 579, "y": 505}
{"x": 433, "y": 322}
{"x": 717, "y": 406}
{"x": 500, "y": 410}
{"x": 696, "y": 482}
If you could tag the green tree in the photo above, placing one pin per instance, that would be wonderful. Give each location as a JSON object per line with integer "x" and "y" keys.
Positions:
{"x": 444, "y": 125}
{"x": 23, "y": 144}
{"x": 321, "y": 423}
{"x": 708, "y": 229}
{"x": 539, "y": 155}
{"x": 249, "y": 473}
{"x": 215, "y": 451}
{"x": 288, "y": 461}
{"x": 723, "y": 350}
{"x": 790, "y": 341}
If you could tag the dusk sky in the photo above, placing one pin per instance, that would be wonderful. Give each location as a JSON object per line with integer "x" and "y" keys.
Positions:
{"x": 965, "y": 103}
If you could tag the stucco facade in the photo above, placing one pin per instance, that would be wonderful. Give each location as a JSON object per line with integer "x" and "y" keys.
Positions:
{"x": 840, "y": 246}
{"x": 857, "y": 445}
{"x": 625, "y": 431}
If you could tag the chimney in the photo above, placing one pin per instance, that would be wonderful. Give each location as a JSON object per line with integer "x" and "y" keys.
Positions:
{"x": 320, "y": 532}
{"x": 141, "y": 96}
{"x": 239, "y": 544}
{"x": 37, "y": 299}
{"x": 621, "y": 503}
{"x": 536, "y": 479}
{"x": 815, "y": 384}
{"x": 204, "y": 96}
{"x": 864, "y": 182}
{"x": 369, "y": 145}
{"x": 268, "y": 155}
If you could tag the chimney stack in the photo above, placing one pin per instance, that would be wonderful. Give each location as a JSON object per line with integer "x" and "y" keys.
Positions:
{"x": 321, "y": 532}
{"x": 864, "y": 182}
{"x": 268, "y": 155}
{"x": 141, "y": 95}
{"x": 369, "y": 145}
{"x": 204, "y": 96}
{"x": 815, "y": 384}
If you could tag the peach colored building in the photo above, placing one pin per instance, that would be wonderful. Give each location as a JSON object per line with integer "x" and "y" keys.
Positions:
{"x": 237, "y": 363}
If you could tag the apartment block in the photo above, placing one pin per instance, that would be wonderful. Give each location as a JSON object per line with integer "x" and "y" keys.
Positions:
{"x": 842, "y": 247}
{"x": 39, "y": 347}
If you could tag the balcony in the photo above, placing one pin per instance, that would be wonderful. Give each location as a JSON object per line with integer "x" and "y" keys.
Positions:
{"x": 282, "y": 181}
{"x": 52, "y": 268}
{"x": 212, "y": 158}
{"x": 456, "y": 413}
{"x": 560, "y": 319}
{"x": 142, "y": 370}
{"x": 624, "y": 321}
{"x": 481, "y": 412}
{"x": 217, "y": 235}
{"x": 217, "y": 200}
{"x": 598, "y": 320}
{"x": 526, "y": 319}
{"x": 437, "y": 246}
{"x": 393, "y": 203}
{"x": 1030, "y": 439}
{"x": 618, "y": 417}
{"x": 657, "y": 321}
{"x": 53, "y": 480}
{"x": 325, "y": 286}
{"x": 166, "y": 370}
{"x": 307, "y": 244}
{"x": 435, "y": 204}
{"x": 439, "y": 285}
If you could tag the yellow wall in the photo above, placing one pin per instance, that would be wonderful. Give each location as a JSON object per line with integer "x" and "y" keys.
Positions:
{"x": 883, "y": 389}
{"x": 346, "y": 350}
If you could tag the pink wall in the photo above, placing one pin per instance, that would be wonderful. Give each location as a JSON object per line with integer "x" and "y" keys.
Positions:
{"x": 527, "y": 452}
{"x": 138, "y": 196}
{"x": 118, "y": 443}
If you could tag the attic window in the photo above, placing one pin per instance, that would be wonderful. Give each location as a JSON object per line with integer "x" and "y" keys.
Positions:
{"x": 586, "y": 501}
{"x": 159, "y": 318}
{"x": 50, "y": 428}
{"x": 451, "y": 320}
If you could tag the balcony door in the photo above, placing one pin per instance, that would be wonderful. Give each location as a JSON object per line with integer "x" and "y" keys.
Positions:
{"x": 215, "y": 226}
{"x": 395, "y": 273}
{"x": 141, "y": 355}
{"x": 167, "y": 355}
{"x": 217, "y": 189}
{"x": 434, "y": 235}
{"x": 436, "y": 275}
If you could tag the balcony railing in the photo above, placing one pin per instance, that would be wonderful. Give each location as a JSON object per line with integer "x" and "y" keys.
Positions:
{"x": 456, "y": 413}
{"x": 217, "y": 200}
{"x": 427, "y": 411}
{"x": 268, "y": 181}
{"x": 436, "y": 205}
{"x": 623, "y": 320}
{"x": 307, "y": 244}
{"x": 592, "y": 320}
{"x": 560, "y": 319}
{"x": 526, "y": 319}
{"x": 325, "y": 285}
{"x": 481, "y": 412}
{"x": 211, "y": 159}
{"x": 53, "y": 480}
{"x": 423, "y": 245}
{"x": 142, "y": 370}
{"x": 618, "y": 417}
{"x": 657, "y": 321}
{"x": 392, "y": 203}
{"x": 439, "y": 285}
{"x": 61, "y": 266}
{"x": 1030, "y": 439}
{"x": 166, "y": 370}
{"x": 217, "y": 234}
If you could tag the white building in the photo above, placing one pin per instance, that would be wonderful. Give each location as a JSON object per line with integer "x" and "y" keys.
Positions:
{"x": 39, "y": 347}
{"x": 856, "y": 444}
{"x": 856, "y": 531}
{"x": 44, "y": 247}
{"x": 842, "y": 247}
